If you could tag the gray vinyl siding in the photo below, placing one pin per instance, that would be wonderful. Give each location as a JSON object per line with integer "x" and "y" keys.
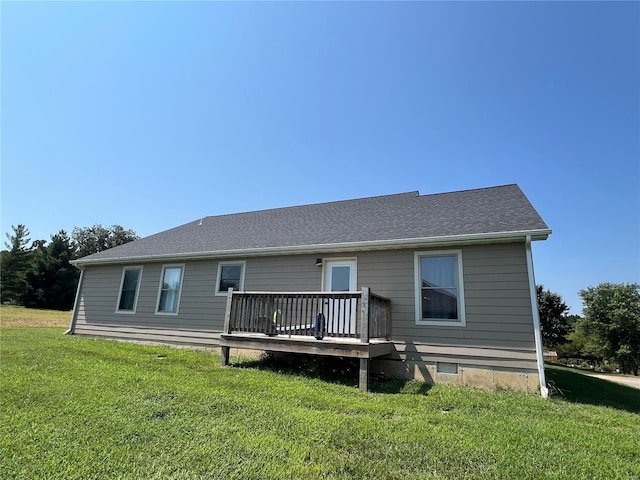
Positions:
{"x": 201, "y": 313}
{"x": 198, "y": 322}
{"x": 498, "y": 331}
{"x": 499, "y": 322}
{"x": 295, "y": 273}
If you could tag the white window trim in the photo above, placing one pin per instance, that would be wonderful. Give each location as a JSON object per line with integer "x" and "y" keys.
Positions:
{"x": 164, "y": 267}
{"x": 242, "y": 263}
{"x": 135, "y": 298}
{"x": 462, "y": 321}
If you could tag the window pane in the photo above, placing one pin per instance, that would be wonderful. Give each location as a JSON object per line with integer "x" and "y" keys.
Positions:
{"x": 168, "y": 301}
{"x": 126, "y": 299}
{"x": 130, "y": 280}
{"x": 172, "y": 278}
{"x": 129, "y": 288}
{"x": 230, "y": 277}
{"x": 438, "y": 271}
{"x": 440, "y": 303}
{"x": 439, "y": 287}
{"x": 225, "y": 284}
{"x": 340, "y": 277}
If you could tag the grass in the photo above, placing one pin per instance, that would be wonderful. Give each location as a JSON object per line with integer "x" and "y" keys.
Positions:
{"x": 581, "y": 387}
{"x": 12, "y": 316}
{"x": 73, "y": 407}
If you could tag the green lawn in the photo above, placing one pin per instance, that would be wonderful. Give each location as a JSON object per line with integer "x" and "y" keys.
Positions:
{"x": 12, "y": 316}
{"x": 581, "y": 387}
{"x": 74, "y": 407}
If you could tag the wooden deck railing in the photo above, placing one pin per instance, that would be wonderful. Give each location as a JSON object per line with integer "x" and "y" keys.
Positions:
{"x": 361, "y": 315}
{"x": 379, "y": 316}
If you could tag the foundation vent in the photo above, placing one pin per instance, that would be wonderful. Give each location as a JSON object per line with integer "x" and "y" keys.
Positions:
{"x": 444, "y": 367}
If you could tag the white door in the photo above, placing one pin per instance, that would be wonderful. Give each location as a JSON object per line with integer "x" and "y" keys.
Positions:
{"x": 340, "y": 314}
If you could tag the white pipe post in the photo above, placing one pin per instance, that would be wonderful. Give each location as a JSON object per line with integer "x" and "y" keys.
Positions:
{"x": 76, "y": 306}
{"x": 544, "y": 391}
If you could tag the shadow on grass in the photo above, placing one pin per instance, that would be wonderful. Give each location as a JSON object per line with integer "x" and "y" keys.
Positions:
{"x": 580, "y": 388}
{"x": 336, "y": 370}
{"x": 398, "y": 386}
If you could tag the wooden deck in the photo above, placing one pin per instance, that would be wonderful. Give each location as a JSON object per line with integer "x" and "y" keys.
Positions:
{"x": 331, "y": 346}
{"x": 344, "y": 324}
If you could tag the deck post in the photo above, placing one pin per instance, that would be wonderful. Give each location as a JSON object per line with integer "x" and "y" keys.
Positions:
{"x": 387, "y": 320}
{"x": 224, "y": 356}
{"x": 364, "y": 375}
{"x": 364, "y": 315}
{"x": 363, "y": 380}
{"x": 224, "y": 351}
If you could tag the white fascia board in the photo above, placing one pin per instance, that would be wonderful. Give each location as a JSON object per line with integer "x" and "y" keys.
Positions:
{"x": 496, "y": 237}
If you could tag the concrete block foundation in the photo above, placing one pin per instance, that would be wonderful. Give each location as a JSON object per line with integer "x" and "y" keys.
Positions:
{"x": 472, "y": 376}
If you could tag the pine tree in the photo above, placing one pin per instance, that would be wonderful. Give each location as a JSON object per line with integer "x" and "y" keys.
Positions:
{"x": 15, "y": 263}
{"x": 52, "y": 280}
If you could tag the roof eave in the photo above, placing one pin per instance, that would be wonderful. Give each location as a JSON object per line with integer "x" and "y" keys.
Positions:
{"x": 476, "y": 238}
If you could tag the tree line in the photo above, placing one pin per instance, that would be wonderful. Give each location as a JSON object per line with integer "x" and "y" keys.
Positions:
{"x": 607, "y": 336}
{"x": 39, "y": 274}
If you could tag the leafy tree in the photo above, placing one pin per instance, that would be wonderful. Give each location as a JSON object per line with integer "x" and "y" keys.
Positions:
{"x": 97, "y": 238}
{"x": 16, "y": 261}
{"x": 555, "y": 324}
{"x": 612, "y": 320}
{"x": 580, "y": 344}
{"x": 52, "y": 279}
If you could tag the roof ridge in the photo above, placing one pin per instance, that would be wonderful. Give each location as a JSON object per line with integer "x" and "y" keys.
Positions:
{"x": 413, "y": 193}
{"x": 470, "y": 190}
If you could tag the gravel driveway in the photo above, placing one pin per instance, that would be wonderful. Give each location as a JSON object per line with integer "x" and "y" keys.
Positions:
{"x": 628, "y": 381}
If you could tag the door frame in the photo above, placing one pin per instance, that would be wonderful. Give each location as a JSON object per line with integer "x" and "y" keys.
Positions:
{"x": 343, "y": 320}
{"x": 352, "y": 261}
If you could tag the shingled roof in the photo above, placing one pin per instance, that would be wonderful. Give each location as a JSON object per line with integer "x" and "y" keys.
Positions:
{"x": 386, "y": 221}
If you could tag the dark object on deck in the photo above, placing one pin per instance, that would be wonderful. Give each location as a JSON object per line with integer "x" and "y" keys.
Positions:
{"x": 319, "y": 327}
{"x": 267, "y": 326}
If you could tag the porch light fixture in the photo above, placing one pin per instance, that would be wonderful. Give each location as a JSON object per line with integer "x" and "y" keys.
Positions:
{"x": 318, "y": 262}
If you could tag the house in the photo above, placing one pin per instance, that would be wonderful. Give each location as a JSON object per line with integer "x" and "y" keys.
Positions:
{"x": 436, "y": 287}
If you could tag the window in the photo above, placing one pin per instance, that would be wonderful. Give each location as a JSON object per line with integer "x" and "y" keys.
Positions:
{"x": 129, "y": 287}
{"x": 170, "y": 288}
{"x": 230, "y": 274}
{"x": 439, "y": 288}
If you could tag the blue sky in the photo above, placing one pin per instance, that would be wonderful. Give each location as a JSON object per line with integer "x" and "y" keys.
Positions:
{"x": 150, "y": 115}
